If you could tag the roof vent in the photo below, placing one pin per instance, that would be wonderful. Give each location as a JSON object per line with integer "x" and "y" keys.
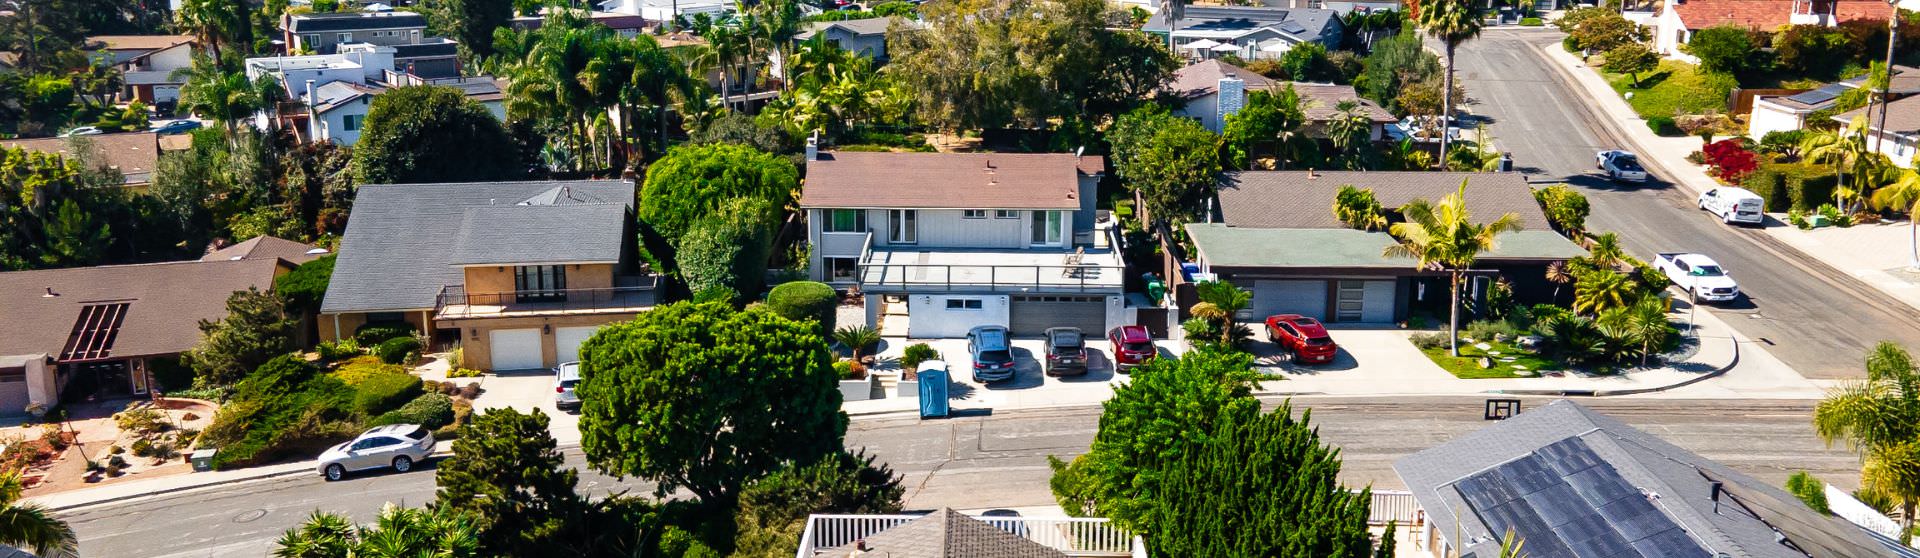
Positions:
{"x": 1312, "y": 175}
{"x": 50, "y": 293}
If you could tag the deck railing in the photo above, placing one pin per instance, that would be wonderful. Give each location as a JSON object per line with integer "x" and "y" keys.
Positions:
{"x": 1089, "y": 537}
{"x": 455, "y": 302}
{"x": 1397, "y": 506}
{"x": 1088, "y": 277}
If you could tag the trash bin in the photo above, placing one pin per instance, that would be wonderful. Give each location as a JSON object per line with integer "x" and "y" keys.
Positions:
{"x": 933, "y": 389}
{"x": 202, "y": 459}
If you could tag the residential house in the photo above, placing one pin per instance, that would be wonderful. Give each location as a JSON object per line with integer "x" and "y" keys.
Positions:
{"x": 866, "y": 37}
{"x": 948, "y": 241}
{"x": 666, "y": 10}
{"x": 1894, "y": 134}
{"x": 1678, "y": 20}
{"x": 413, "y": 51}
{"x": 1277, "y": 237}
{"x": 1781, "y": 113}
{"x": 1250, "y": 33}
{"x": 333, "y": 92}
{"x": 99, "y": 332}
{"x": 133, "y": 154}
{"x": 1576, "y": 483}
{"x": 516, "y": 273}
{"x": 147, "y": 63}
{"x": 264, "y": 247}
{"x": 1212, "y": 89}
{"x": 945, "y": 533}
{"x": 625, "y": 25}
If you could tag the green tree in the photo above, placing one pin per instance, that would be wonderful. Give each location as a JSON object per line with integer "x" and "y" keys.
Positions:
{"x": 1631, "y": 59}
{"x": 1452, "y": 22}
{"x": 1565, "y": 207}
{"x": 470, "y": 22}
{"x": 432, "y": 134}
{"x": 1358, "y": 208}
{"x": 1879, "y": 417}
{"x": 728, "y": 248}
{"x": 1269, "y": 124}
{"x": 255, "y": 330}
{"x": 1723, "y": 48}
{"x": 1606, "y": 33}
{"x": 30, "y": 526}
{"x": 1171, "y": 163}
{"x": 694, "y": 181}
{"x": 507, "y": 474}
{"x": 1813, "y": 50}
{"x": 1308, "y": 62}
{"x": 1903, "y": 194}
{"x": 773, "y": 510}
{"x": 707, "y": 398}
{"x": 1394, "y": 63}
{"x": 43, "y": 35}
{"x": 1259, "y": 485}
{"x": 1351, "y": 134}
{"x": 1601, "y": 290}
{"x": 1444, "y": 236}
{"x": 75, "y": 237}
{"x": 305, "y": 286}
{"x": 802, "y": 301}
{"x": 225, "y": 96}
{"x": 398, "y": 532}
{"x": 1219, "y": 302}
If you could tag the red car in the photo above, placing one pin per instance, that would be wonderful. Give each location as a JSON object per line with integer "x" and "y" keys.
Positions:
{"x": 1132, "y": 346}
{"x": 1302, "y": 338}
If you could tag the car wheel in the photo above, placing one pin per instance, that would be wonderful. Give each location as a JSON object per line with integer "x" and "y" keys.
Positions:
{"x": 336, "y": 472}
{"x": 1286, "y": 355}
{"x": 402, "y": 464}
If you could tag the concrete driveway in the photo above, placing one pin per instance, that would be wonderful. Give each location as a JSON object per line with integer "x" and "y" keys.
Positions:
{"x": 521, "y": 390}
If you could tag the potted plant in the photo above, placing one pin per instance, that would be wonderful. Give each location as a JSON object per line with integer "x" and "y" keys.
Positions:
{"x": 860, "y": 340}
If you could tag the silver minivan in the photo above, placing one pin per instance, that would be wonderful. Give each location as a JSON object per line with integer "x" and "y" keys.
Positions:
{"x": 565, "y": 378}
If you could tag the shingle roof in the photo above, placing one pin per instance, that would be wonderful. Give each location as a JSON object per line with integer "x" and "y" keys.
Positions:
{"x": 264, "y": 247}
{"x": 549, "y": 234}
{"x": 134, "y": 154}
{"x": 849, "y": 179}
{"x": 1903, "y": 116}
{"x": 948, "y": 534}
{"x": 1312, "y": 22}
{"x": 1225, "y": 246}
{"x": 139, "y": 42}
{"x": 354, "y": 21}
{"x": 868, "y": 26}
{"x": 165, "y": 302}
{"x": 399, "y": 247}
{"x": 1295, "y": 199}
{"x": 1202, "y": 78}
{"x": 1766, "y": 14}
{"x": 1676, "y": 481}
{"x": 1321, "y": 101}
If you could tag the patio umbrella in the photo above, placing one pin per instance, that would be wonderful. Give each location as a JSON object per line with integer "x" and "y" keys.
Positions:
{"x": 1202, "y": 44}
{"x": 1226, "y": 48}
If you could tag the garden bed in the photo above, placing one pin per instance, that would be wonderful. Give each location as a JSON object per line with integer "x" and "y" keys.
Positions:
{"x": 1467, "y": 365}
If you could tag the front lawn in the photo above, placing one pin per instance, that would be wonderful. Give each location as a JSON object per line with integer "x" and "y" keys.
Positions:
{"x": 1676, "y": 88}
{"x": 1467, "y": 365}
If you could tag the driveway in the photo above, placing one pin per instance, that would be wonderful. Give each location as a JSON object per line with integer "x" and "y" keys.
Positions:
{"x": 1030, "y": 386}
{"x": 522, "y": 390}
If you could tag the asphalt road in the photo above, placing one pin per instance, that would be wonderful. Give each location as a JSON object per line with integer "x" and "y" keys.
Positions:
{"x": 1816, "y": 319}
{"x": 997, "y": 460}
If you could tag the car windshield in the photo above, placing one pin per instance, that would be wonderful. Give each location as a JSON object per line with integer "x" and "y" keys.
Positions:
{"x": 1066, "y": 348}
{"x": 1707, "y": 271}
{"x": 418, "y": 432}
{"x": 1002, "y": 355}
{"x": 1139, "y": 347}
{"x": 1068, "y": 339}
{"x": 1318, "y": 341}
{"x": 569, "y": 383}
{"x": 1627, "y": 163}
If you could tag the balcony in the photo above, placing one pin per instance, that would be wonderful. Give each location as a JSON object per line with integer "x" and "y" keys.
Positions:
{"x": 1077, "y": 537}
{"x": 1097, "y": 268}
{"x": 633, "y": 294}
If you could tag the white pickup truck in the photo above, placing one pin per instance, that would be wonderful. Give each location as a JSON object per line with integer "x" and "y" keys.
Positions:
{"x": 1620, "y": 166}
{"x": 1698, "y": 275}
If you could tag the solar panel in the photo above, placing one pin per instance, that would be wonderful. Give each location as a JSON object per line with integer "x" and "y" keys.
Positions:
{"x": 1598, "y": 487}
{"x": 1292, "y": 27}
{"x": 1825, "y": 93}
{"x": 1567, "y": 502}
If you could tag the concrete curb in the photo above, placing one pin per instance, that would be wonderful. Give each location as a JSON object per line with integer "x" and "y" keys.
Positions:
{"x": 1632, "y": 391}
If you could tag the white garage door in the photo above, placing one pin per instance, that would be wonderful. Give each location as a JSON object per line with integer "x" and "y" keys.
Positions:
{"x": 1365, "y": 301}
{"x": 516, "y": 349}
{"x": 166, "y": 93}
{"x": 567, "y": 341}
{"x": 1306, "y": 298}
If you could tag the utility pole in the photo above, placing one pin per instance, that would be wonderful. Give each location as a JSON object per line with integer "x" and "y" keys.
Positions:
{"x": 1886, "y": 89}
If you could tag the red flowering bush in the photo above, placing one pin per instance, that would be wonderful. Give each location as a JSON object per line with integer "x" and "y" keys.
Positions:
{"x": 1729, "y": 160}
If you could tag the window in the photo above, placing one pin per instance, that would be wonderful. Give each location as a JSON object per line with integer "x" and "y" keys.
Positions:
{"x": 346, "y": 37}
{"x": 841, "y": 269}
{"x": 539, "y": 283}
{"x": 1046, "y": 228}
{"x": 963, "y": 304}
{"x": 1351, "y": 298}
{"x": 903, "y": 226}
{"x": 846, "y": 220}
{"x": 311, "y": 40}
{"x": 974, "y": 214}
{"x": 1005, "y": 214}
{"x": 351, "y": 122}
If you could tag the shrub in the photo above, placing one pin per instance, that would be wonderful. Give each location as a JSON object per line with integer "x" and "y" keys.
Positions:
{"x": 449, "y": 389}
{"x": 385, "y": 391}
{"x": 1730, "y": 160}
{"x": 374, "y": 334}
{"x": 1809, "y": 186}
{"x": 395, "y": 350}
{"x": 140, "y": 419}
{"x": 171, "y": 374}
{"x": 141, "y": 447}
{"x": 355, "y": 371}
{"x": 464, "y": 373}
{"x": 916, "y": 354}
{"x": 339, "y": 350}
{"x": 805, "y": 300}
{"x": 456, "y": 358}
{"x": 471, "y": 391}
{"x": 1565, "y": 207}
{"x": 1663, "y": 125}
{"x": 1429, "y": 341}
{"x": 284, "y": 406}
{"x": 843, "y": 368}
{"x": 1531, "y": 22}
{"x": 432, "y": 410}
{"x": 1809, "y": 490}
{"x": 1488, "y": 330}
{"x": 1771, "y": 185}
{"x": 1782, "y": 142}
{"x": 1799, "y": 220}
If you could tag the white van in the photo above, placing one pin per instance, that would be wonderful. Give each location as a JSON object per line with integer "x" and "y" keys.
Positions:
{"x": 1734, "y": 205}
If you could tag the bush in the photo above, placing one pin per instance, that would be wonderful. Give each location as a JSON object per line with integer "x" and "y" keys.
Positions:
{"x": 396, "y": 350}
{"x": 284, "y": 406}
{"x": 1809, "y": 490}
{"x": 1730, "y": 160}
{"x": 1809, "y": 186}
{"x": 140, "y": 420}
{"x": 339, "y": 350}
{"x": 1565, "y": 207}
{"x": 456, "y": 358}
{"x": 141, "y": 447}
{"x": 1488, "y": 330}
{"x": 805, "y": 300}
{"x": 1771, "y": 185}
{"x": 1663, "y": 125}
{"x": 1430, "y": 341}
{"x": 385, "y": 391}
{"x": 464, "y": 373}
{"x": 916, "y": 354}
{"x": 374, "y": 334}
{"x": 1799, "y": 220}
{"x": 355, "y": 371}
{"x": 471, "y": 391}
{"x": 432, "y": 410}
{"x": 844, "y": 368}
{"x": 1531, "y": 22}
{"x": 171, "y": 374}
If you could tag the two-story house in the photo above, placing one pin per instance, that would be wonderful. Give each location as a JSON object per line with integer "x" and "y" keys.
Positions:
{"x": 146, "y": 63}
{"x": 332, "y": 93}
{"x": 516, "y": 273}
{"x": 414, "y": 51}
{"x": 941, "y": 242}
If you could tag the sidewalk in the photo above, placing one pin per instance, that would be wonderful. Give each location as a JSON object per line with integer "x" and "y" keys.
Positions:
{"x": 70, "y": 499}
{"x": 1861, "y": 251}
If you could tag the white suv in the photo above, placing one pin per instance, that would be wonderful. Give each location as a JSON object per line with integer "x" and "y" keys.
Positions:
{"x": 398, "y": 446}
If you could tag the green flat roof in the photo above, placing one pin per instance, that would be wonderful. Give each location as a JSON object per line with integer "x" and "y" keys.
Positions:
{"x": 1222, "y": 245}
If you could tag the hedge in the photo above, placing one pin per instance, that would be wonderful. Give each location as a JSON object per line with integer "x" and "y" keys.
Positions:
{"x": 382, "y": 392}
{"x": 282, "y": 408}
{"x": 395, "y": 350}
{"x": 1791, "y": 186}
{"x": 373, "y": 334}
{"x": 432, "y": 410}
{"x": 805, "y": 300}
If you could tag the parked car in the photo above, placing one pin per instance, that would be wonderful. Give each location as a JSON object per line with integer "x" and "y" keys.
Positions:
{"x": 177, "y": 127}
{"x": 992, "y": 355}
{"x": 565, "y": 377}
{"x": 1301, "y": 339}
{"x": 397, "y": 445}
{"x": 82, "y": 131}
{"x": 1066, "y": 351}
{"x": 1132, "y": 346}
{"x": 1423, "y": 129}
{"x": 1699, "y": 275}
{"x": 1620, "y": 166}
{"x": 1733, "y": 205}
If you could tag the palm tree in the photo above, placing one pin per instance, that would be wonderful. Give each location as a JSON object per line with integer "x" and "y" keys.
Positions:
{"x": 31, "y": 526}
{"x": 1904, "y": 194}
{"x": 1444, "y": 237}
{"x": 857, "y": 338}
{"x": 1602, "y": 290}
{"x": 1510, "y": 545}
{"x": 1350, "y": 132}
{"x": 1558, "y": 275}
{"x": 1845, "y": 149}
{"x": 1220, "y": 302}
{"x": 398, "y": 533}
{"x": 1606, "y": 253}
{"x": 1879, "y": 417}
{"x": 1644, "y": 323}
{"x": 226, "y": 96}
{"x": 1452, "y": 22}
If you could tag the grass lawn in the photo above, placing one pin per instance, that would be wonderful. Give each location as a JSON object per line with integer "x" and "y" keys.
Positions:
{"x": 1675, "y": 88}
{"x": 1467, "y": 365}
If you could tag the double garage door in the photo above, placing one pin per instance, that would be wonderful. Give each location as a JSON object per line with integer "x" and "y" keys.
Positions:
{"x": 1353, "y": 300}
{"x": 520, "y": 349}
{"x": 1033, "y": 314}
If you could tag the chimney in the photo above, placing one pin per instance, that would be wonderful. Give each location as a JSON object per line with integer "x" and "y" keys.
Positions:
{"x": 813, "y": 146}
{"x": 1312, "y": 175}
{"x": 310, "y": 99}
{"x": 1718, "y": 489}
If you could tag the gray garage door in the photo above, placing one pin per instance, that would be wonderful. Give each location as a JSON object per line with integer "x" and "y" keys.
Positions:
{"x": 1033, "y": 314}
{"x": 1365, "y": 301}
{"x": 1306, "y": 298}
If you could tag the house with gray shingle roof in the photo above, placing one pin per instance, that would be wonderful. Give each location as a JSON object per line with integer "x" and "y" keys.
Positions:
{"x": 1276, "y": 235}
{"x": 1249, "y": 32}
{"x": 1575, "y": 483}
{"x": 516, "y": 273}
{"x": 1211, "y": 90}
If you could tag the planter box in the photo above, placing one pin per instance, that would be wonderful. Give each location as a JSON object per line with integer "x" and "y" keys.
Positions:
{"x": 861, "y": 390}
{"x": 907, "y": 388}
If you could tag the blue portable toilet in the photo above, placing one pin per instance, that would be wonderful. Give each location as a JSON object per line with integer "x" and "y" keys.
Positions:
{"x": 933, "y": 389}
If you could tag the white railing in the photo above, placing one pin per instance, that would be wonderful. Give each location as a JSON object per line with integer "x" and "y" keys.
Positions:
{"x": 1397, "y": 506}
{"x": 1844, "y": 505}
{"x": 1088, "y": 537}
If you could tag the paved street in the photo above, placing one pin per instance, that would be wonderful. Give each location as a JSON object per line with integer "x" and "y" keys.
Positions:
{"x": 997, "y": 460}
{"x": 1816, "y": 319}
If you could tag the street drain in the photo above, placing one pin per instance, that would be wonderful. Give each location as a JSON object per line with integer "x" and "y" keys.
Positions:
{"x": 250, "y": 516}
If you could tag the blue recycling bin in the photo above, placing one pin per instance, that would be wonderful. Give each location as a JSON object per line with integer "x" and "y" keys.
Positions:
{"x": 933, "y": 391}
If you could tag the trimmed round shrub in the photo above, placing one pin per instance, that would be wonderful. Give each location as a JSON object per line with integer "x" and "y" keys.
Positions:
{"x": 382, "y": 392}
{"x": 395, "y": 350}
{"x": 374, "y": 334}
{"x": 916, "y": 354}
{"x": 805, "y": 300}
{"x": 432, "y": 410}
